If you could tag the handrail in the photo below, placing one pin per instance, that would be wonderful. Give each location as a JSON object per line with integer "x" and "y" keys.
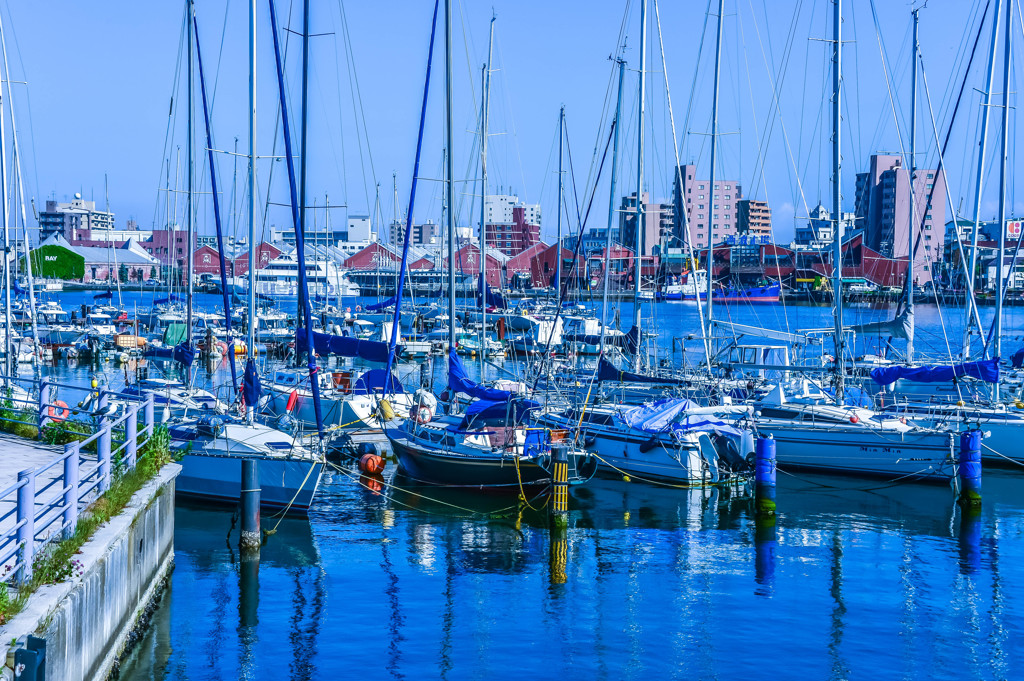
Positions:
{"x": 40, "y": 521}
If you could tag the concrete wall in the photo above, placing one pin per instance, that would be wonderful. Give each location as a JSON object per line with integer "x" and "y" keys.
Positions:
{"x": 87, "y": 620}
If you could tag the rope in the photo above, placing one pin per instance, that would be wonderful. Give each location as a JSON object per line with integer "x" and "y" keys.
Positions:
{"x": 281, "y": 515}
{"x": 1001, "y": 455}
{"x": 887, "y": 484}
{"x": 659, "y": 482}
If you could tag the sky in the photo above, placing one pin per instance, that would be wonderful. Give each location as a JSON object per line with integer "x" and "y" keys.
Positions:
{"x": 91, "y": 85}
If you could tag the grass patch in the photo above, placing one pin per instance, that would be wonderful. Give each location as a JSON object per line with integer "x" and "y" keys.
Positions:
{"x": 56, "y": 562}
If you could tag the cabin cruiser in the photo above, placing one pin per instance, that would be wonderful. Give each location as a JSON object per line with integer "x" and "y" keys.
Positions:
{"x": 672, "y": 440}
{"x": 348, "y": 399}
{"x": 212, "y": 448}
{"x": 813, "y": 431}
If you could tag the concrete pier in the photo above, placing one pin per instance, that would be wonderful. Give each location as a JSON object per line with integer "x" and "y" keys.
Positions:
{"x": 87, "y": 620}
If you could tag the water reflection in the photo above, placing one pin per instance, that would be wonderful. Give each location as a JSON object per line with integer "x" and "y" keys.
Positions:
{"x": 418, "y": 582}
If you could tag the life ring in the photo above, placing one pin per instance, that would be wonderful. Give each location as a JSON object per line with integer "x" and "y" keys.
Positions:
{"x": 58, "y": 411}
{"x": 421, "y": 415}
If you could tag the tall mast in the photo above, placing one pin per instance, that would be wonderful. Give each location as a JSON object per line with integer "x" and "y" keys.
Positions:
{"x": 251, "y": 331}
{"x": 714, "y": 160}
{"x": 8, "y": 346}
{"x": 189, "y": 201}
{"x": 301, "y": 319}
{"x": 484, "y": 113}
{"x": 611, "y": 206}
{"x": 979, "y": 180}
{"x": 837, "y": 195}
{"x": 449, "y": 170}
{"x": 561, "y": 198}
{"x": 1001, "y": 266}
{"x": 912, "y": 168}
{"x": 638, "y": 242}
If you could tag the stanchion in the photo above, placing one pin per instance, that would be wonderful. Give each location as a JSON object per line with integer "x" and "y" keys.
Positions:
{"x": 764, "y": 476}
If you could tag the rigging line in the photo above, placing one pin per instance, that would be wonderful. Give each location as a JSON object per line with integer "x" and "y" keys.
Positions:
{"x": 354, "y": 82}
{"x": 220, "y": 57}
{"x": 165, "y": 161}
{"x": 572, "y": 176}
{"x": 696, "y": 71}
{"x": 681, "y": 212}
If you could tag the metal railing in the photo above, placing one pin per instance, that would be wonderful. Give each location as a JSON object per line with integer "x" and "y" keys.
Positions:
{"x": 44, "y": 513}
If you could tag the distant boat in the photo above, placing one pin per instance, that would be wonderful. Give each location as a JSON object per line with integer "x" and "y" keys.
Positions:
{"x": 696, "y": 284}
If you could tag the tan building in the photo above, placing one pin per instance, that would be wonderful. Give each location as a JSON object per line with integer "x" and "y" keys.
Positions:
{"x": 753, "y": 217}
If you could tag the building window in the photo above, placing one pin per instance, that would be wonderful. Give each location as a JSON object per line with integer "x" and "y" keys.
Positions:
{"x": 931, "y": 176}
{"x": 700, "y": 186}
{"x": 701, "y": 197}
{"x": 928, "y": 186}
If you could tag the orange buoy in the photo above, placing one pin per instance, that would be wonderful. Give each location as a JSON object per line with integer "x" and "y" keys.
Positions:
{"x": 854, "y": 419}
{"x": 293, "y": 398}
{"x": 371, "y": 463}
{"x": 371, "y": 483}
{"x": 58, "y": 411}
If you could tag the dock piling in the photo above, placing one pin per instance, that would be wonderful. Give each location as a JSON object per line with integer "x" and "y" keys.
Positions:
{"x": 250, "y": 535}
{"x": 764, "y": 476}
{"x": 969, "y": 468}
{"x": 559, "y": 484}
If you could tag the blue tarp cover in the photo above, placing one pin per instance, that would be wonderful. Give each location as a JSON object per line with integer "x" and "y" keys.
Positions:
{"x": 460, "y": 383}
{"x": 1018, "y": 359}
{"x": 252, "y": 387}
{"x": 344, "y": 346}
{"x": 986, "y": 370}
{"x": 180, "y": 353}
{"x": 106, "y": 294}
{"x": 490, "y": 409}
{"x": 374, "y": 381}
{"x": 383, "y": 304}
{"x": 669, "y": 416}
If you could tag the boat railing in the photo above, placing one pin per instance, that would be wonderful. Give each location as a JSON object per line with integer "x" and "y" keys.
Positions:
{"x": 45, "y": 502}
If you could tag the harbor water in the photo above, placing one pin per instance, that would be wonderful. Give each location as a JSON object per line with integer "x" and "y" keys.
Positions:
{"x": 853, "y": 579}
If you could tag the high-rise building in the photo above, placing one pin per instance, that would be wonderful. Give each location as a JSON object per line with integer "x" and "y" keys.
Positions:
{"x": 753, "y": 217}
{"x": 75, "y": 220}
{"x": 657, "y": 229}
{"x": 883, "y": 207}
{"x": 512, "y": 226}
{"x": 708, "y": 212}
{"x": 426, "y": 234}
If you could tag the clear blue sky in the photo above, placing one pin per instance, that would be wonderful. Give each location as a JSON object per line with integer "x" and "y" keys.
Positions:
{"x": 101, "y": 74}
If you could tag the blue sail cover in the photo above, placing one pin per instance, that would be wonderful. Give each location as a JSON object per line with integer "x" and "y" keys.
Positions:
{"x": 252, "y": 387}
{"x": 105, "y": 294}
{"x": 485, "y": 294}
{"x": 460, "y": 383}
{"x": 606, "y": 371}
{"x": 372, "y": 307}
{"x": 181, "y": 352}
{"x": 343, "y": 346}
{"x": 986, "y": 370}
{"x": 669, "y": 416}
{"x": 505, "y": 411}
{"x": 375, "y": 381}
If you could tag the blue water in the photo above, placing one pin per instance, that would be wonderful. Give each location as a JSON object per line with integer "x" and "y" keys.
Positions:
{"x": 852, "y": 581}
{"x": 657, "y": 583}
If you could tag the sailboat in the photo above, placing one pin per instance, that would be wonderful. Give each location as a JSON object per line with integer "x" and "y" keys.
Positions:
{"x": 491, "y": 444}
{"x": 213, "y": 447}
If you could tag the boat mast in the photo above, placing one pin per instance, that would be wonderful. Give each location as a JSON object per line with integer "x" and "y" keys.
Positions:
{"x": 189, "y": 201}
{"x": 611, "y": 206}
{"x": 837, "y": 196}
{"x": 714, "y": 158}
{"x": 1001, "y": 266}
{"x": 8, "y": 346}
{"x": 484, "y": 112}
{"x": 561, "y": 198}
{"x": 250, "y": 342}
{"x": 637, "y": 243}
{"x": 909, "y": 283}
{"x": 449, "y": 170}
{"x": 979, "y": 180}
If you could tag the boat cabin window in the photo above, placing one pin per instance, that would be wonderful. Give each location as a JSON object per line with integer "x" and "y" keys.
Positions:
{"x": 776, "y": 413}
